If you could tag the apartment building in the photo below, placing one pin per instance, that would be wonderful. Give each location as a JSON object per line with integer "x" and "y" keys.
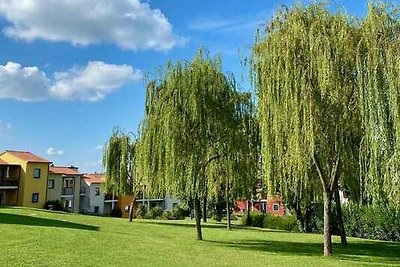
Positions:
{"x": 23, "y": 179}
{"x": 64, "y": 184}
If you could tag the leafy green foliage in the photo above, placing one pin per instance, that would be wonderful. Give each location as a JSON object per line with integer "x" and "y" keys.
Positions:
{"x": 373, "y": 222}
{"x": 119, "y": 161}
{"x": 198, "y": 132}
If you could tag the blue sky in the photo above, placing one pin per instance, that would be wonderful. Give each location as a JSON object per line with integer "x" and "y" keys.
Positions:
{"x": 70, "y": 72}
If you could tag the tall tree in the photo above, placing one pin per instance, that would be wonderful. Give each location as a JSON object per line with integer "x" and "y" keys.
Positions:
{"x": 378, "y": 74}
{"x": 119, "y": 163}
{"x": 187, "y": 129}
{"x": 304, "y": 74}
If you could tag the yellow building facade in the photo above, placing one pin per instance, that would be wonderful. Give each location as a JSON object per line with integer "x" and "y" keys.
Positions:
{"x": 29, "y": 174}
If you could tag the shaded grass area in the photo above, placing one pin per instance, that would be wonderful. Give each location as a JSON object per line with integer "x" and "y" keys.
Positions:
{"x": 42, "y": 238}
{"x": 6, "y": 218}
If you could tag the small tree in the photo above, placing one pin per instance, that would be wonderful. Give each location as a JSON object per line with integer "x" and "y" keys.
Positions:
{"x": 119, "y": 163}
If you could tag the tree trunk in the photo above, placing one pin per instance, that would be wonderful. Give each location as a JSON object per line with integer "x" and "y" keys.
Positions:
{"x": 327, "y": 223}
{"x": 309, "y": 212}
{"x": 248, "y": 221}
{"x": 205, "y": 209}
{"x": 228, "y": 215}
{"x": 343, "y": 239}
{"x": 131, "y": 208}
{"x": 197, "y": 215}
{"x": 299, "y": 216}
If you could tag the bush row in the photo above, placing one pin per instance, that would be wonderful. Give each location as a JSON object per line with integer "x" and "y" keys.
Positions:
{"x": 372, "y": 222}
{"x": 266, "y": 220}
{"x": 158, "y": 213}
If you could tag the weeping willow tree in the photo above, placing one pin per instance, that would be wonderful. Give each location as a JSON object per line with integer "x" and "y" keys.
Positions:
{"x": 119, "y": 163}
{"x": 378, "y": 73}
{"x": 189, "y": 129}
{"x": 304, "y": 73}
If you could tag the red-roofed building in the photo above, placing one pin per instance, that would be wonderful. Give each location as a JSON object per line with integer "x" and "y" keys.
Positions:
{"x": 23, "y": 179}
{"x": 272, "y": 205}
{"x": 96, "y": 200}
{"x": 64, "y": 184}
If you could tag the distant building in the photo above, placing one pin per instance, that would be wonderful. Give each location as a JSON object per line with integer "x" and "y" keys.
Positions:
{"x": 272, "y": 205}
{"x": 94, "y": 199}
{"x": 23, "y": 179}
{"x": 64, "y": 184}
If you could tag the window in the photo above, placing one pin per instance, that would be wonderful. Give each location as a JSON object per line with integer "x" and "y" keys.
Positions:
{"x": 36, "y": 173}
{"x": 97, "y": 191}
{"x": 96, "y": 209}
{"x": 276, "y": 207}
{"x": 174, "y": 205}
{"x": 68, "y": 183}
{"x": 50, "y": 184}
{"x": 35, "y": 197}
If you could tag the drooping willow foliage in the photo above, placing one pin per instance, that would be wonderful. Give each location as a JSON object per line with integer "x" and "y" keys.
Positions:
{"x": 378, "y": 75}
{"x": 304, "y": 72}
{"x": 197, "y": 130}
{"x": 119, "y": 160}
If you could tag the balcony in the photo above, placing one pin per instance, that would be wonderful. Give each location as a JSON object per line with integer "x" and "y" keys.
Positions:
{"x": 9, "y": 183}
{"x": 67, "y": 191}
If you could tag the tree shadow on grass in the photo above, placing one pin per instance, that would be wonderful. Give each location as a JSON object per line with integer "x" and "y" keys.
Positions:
{"x": 6, "y": 218}
{"x": 366, "y": 252}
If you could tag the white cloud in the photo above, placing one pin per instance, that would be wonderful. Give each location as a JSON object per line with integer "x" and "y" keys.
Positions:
{"x": 91, "y": 83}
{"x": 129, "y": 24}
{"x": 53, "y": 152}
{"x": 99, "y": 147}
{"x": 23, "y": 83}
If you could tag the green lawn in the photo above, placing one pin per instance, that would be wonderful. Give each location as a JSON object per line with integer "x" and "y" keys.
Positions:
{"x": 41, "y": 238}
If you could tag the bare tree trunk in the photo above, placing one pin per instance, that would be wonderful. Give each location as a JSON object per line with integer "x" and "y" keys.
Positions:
{"x": 248, "y": 221}
{"x": 339, "y": 213}
{"x": 309, "y": 212}
{"x": 197, "y": 215}
{"x": 228, "y": 210}
{"x": 328, "y": 187}
{"x": 299, "y": 216}
{"x": 131, "y": 208}
{"x": 205, "y": 209}
{"x": 228, "y": 214}
{"x": 327, "y": 223}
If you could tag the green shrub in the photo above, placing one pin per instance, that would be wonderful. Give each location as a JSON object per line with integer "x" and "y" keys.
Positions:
{"x": 285, "y": 222}
{"x": 373, "y": 222}
{"x": 155, "y": 213}
{"x": 179, "y": 213}
{"x": 257, "y": 219}
{"x": 54, "y": 205}
{"x": 141, "y": 212}
{"x": 116, "y": 212}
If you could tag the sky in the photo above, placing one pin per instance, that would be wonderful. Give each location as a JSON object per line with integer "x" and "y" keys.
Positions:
{"x": 72, "y": 70}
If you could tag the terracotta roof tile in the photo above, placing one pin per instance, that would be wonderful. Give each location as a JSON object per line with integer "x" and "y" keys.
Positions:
{"x": 94, "y": 178}
{"x": 27, "y": 156}
{"x": 64, "y": 170}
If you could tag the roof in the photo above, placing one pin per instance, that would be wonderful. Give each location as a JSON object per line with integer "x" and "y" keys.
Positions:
{"x": 64, "y": 170}
{"x": 2, "y": 162}
{"x": 26, "y": 156}
{"x": 94, "y": 178}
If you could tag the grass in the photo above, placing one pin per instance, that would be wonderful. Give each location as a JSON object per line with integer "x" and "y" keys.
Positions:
{"x": 30, "y": 237}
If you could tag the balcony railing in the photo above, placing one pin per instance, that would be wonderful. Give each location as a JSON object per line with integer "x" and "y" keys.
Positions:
{"x": 9, "y": 182}
{"x": 67, "y": 191}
